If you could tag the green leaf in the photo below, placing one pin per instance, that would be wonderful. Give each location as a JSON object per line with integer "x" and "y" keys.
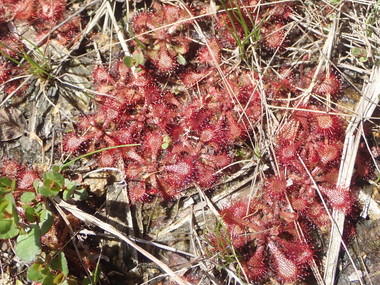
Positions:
{"x": 139, "y": 43}
{"x": 8, "y": 229}
{"x": 67, "y": 194}
{"x": 87, "y": 281}
{"x": 4, "y": 203}
{"x": 70, "y": 185}
{"x": 35, "y": 272}
{"x": 28, "y": 245}
{"x": 95, "y": 276}
{"x": 37, "y": 184}
{"x": 46, "y": 220}
{"x": 49, "y": 279}
{"x": 8, "y": 217}
{"x": 47, "y": 192}
{"x": 70, "y": 188}
{"x": 93, "y": 280}
{"x": 54, "y": 179}
{"x": 59, "y": 263}
{"x": 53, "y": 182}
{"x": 80, "y": 194}
{"x": 181, "y": 59}
{"x": 356, "y": 51}
{"x": 27, "y": 197}
{"x": 5, "y": 226}
{"x": 56, "y": 168}
{"x": 166, "y": 140}
{"x": 59, "y": 279}
{"x": 30, "y": 214}
{"x": 128, "y": 61}
{"x": 139, "y": 58}
{"x": 7, "y": 185}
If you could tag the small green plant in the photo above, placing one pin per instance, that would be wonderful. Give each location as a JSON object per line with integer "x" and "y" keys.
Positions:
{"x": 8, "y": 213}
{"x": 360, "y": 54}
{"x": 25, "y": 215}
{"x": 35, "y": 220}
{"x": 53, "y": 270}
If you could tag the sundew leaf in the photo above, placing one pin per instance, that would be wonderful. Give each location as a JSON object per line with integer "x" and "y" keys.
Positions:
{"x": 28, "y": 245}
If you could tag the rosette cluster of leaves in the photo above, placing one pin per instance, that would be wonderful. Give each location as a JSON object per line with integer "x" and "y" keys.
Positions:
{"x": 160, "y": 32}
{"x": 182, "y": 138}
{"x": 183, "y": 129}
{"x": 271, "y": 233}
{"x": 42, "y": 15}
{"x": 264, "y": 235}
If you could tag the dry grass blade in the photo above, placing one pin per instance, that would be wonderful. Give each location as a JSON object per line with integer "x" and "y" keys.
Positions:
{"x": 87, "y": 218}
{"x": 324, "y": 57}
{"x": 365, "y": 108}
